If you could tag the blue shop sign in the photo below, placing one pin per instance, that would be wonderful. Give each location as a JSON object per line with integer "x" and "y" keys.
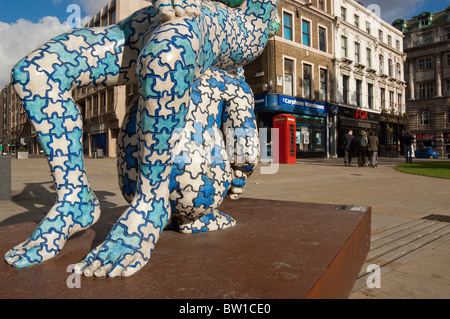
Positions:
{"x": 301, "y": 103}
{"x": 282, "y": 103}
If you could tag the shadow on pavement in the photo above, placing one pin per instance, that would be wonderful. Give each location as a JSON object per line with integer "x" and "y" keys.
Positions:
{"x": 38, "y": 198}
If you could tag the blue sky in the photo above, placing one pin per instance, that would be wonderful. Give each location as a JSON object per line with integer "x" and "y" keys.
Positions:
{"x": 34, "y": 10}
{"x": 406, "y": 9}
{"x": 27, "y": 24}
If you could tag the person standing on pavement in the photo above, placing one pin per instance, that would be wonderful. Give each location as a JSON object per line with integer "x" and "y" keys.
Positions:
{"x": 349, "y": 145}
{"x": 374, "y": 143}
{"x": 362, "y": 148}
{"x": 407, "y": 142}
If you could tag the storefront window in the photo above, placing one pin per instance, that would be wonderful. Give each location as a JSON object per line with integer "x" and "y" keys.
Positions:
{"x": 310, "y": 135}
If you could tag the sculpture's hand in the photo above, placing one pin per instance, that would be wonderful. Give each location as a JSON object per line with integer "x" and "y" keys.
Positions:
{"x": 237, "y": 184}
{"x": 169, "y": 9}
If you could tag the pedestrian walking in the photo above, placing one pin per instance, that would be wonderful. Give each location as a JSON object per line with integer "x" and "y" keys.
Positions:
{"x": 349, "y": 146}
{"x": 408, "y": 143}
{"x": 362, "y": 148}
{"x": 374, "y": 144}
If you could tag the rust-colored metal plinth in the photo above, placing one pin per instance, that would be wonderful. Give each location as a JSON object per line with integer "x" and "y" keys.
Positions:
{"x": 277, "y": 250}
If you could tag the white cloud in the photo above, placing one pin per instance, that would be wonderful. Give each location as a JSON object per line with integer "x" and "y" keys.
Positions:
{"x": 21, "y": 38}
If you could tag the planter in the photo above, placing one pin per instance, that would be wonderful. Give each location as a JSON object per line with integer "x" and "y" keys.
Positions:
{"x": 22, "y": 155}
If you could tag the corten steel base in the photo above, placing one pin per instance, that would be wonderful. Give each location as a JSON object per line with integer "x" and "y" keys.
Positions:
{"x": 277, "y": 250}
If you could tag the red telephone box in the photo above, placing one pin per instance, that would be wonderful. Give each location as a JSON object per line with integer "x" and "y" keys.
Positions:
{"x": 285, "y": 124}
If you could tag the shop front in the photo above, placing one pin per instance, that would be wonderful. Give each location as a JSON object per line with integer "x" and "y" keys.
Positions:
{"x": 356, "y": 120}
{"x": 310, "y": 117}
{"x": 446, "y": 137}
{"x": 424, "y": 140}
{"x": 392, "y": 128}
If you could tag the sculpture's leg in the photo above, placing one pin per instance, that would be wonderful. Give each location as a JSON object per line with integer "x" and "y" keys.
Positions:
{"x": 44, "y": 81}
{"x": 203, "y": 173}
{"x": 166, "y": 69}
{"x": 127, "y": 155}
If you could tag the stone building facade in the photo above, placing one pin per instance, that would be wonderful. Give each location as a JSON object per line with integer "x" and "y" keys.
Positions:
{"x": 369, "y": 77}
{"x": 427, "y": 72}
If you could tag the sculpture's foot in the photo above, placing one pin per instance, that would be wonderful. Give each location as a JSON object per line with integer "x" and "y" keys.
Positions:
{"x": 128, "y": 247}
{"x": 63, "y": 220}
{"x": 211, "y": 222}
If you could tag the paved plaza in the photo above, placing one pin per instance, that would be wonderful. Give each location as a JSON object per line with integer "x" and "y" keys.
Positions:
{"x": 412, "y": 253}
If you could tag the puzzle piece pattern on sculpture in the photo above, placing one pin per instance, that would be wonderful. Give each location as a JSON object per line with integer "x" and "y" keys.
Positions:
{"x": 202, "y": 172}
{"x": 107, "y": 56}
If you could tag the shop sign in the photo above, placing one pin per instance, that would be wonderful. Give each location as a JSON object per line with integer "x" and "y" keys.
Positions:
{"x": 447, "y": 136}
{"x": 301, "y": 103}
{"x": 358, "y": 114}
{"x": 425, "y": 136}
{"x": 392, "y": 119}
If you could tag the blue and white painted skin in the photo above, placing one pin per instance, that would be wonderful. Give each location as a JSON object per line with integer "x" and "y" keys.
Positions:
{"x": 183, "y": 58}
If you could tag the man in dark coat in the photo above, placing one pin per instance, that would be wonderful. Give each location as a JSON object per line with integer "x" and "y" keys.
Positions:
{"x": 349, "y": 145}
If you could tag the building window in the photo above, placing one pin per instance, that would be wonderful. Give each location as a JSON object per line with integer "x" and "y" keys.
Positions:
{"x": 112, "y": 17}
{"x": 321, "y": 4}
{"x": 306, "y": 33}
{"x": 389, "y": 40}
{"x": 357, "y": 21}
{"x": 345, "y": 91}
{"x": 370, "y": 95}
{"x": 425, "y": 118}
{"x": 95, "y": 105}
{"x": 383, "y": 99}
{"x": 358, "y": 92}
{"x": 391, "y": 67}
{"x": 110, "y": 100}
{"x": 399, "y": 71}
{"x": 288, "y": 77}
{"x": 426, "y": 64}
{"x": 357, "y": 52}
{"x": 307, "y": 81}
{"x": 369, "y": 57}
{"x": 426, "y": 90}
{"x": 380, "y": 35}
{"x": 391, "y": 99}
{"x": 287, "y": 26}
{"x": 447, "y": 89}
{"x": 344, "y": 46}
{"x": 323, "y": 85}
{"x": 322, "y": 39}
{"x": 448, "y": 59}
{"x": 399, "y": 102}
{"x": 381, "y": 64}
{"x": 343, "y": 13}
{"x": 424, "y": 22}
{"x": 397, "y": 45}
